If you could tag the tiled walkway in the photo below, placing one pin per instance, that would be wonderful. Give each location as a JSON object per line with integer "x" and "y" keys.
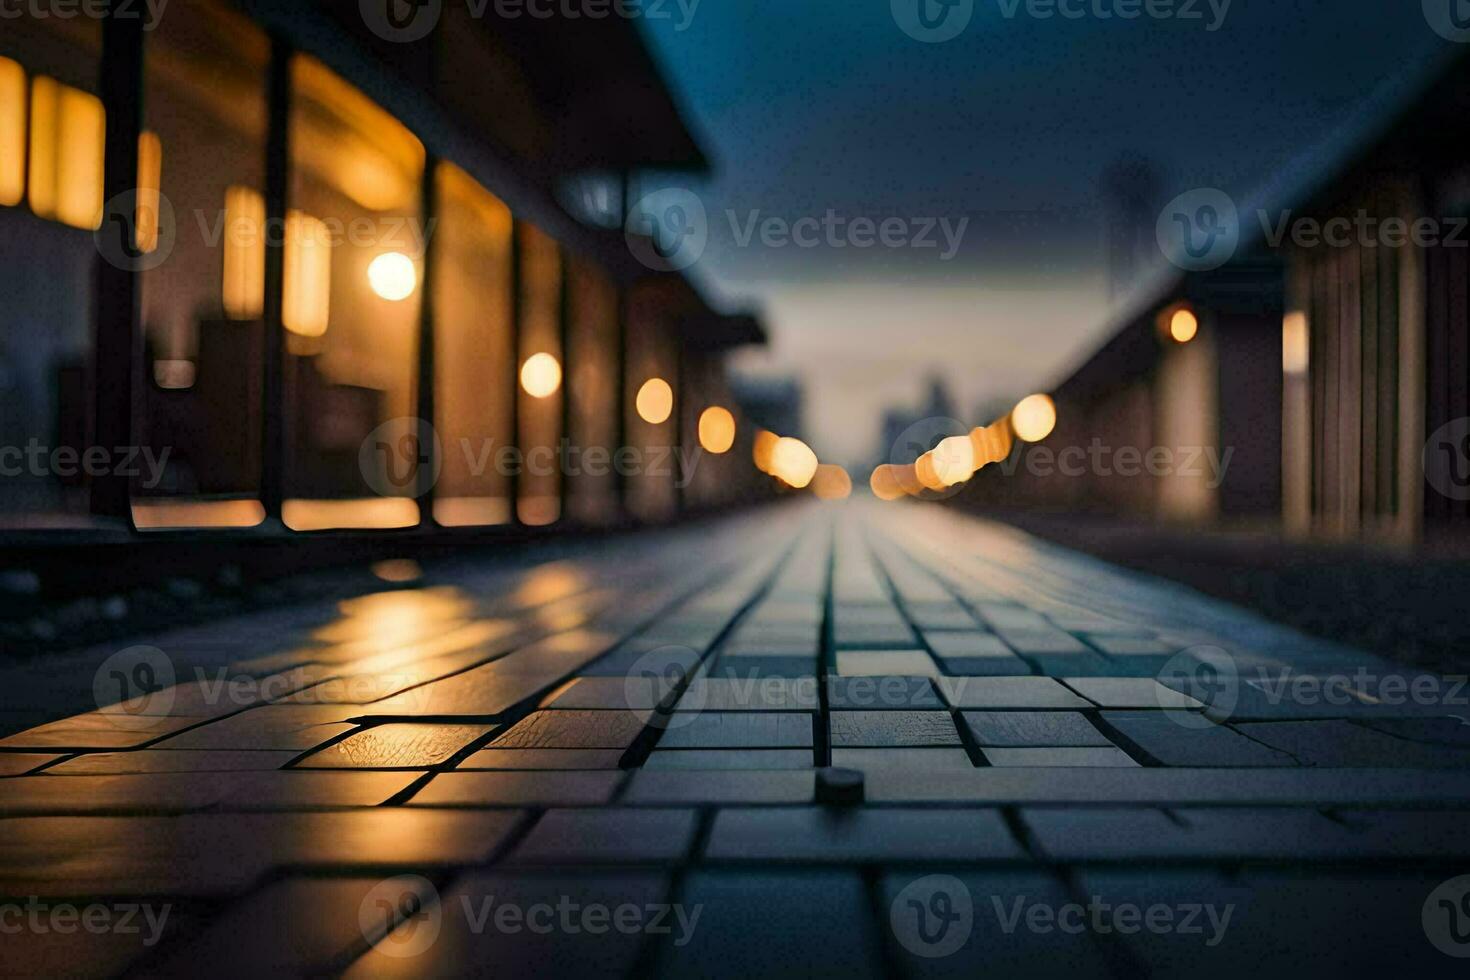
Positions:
{"x": 841, "y": 741}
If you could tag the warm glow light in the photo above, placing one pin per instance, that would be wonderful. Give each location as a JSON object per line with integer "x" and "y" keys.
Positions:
{"x": 716, "y": 430}
{"x": 831, "y": 483}
{"x": 794, "y": 462}
{"x": 954, "y": 460}
{"x": 884, "y": 483}
{"x": 80, "y": 131}
{"x": 764, "y": 452}
{"x": 1034, "y": 418}
{"x": 1183, "y": 325}
{"x": 13, "y": 112}
{"x": 541, "y": 375}
{"x": 655, "y": 401}
{"x": 306, "y": 308}
{"x": 376, "y": 514}
{"x": 1295, "y": 344}
{"x": 65, "y": 156}
{"x": 926, "y": 470}
{"x": 174, "y": 374}
{"x": 398, "y": 570}
{"x": 393, "y": 276}
{"x": 991, "y": 444}
{"x": 150, "y": 184}
{"x": 244, "y": 273}
{"x": 907, "y": 478}
{"x": 166, "y": 513}
{"x": 471, "y": 511}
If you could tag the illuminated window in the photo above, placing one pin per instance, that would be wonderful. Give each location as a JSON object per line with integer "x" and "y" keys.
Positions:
{"x": 12, "y": 132}
{"x": 67, "y": 131}
{"x": 306, "y": 309}
{"x": 150, "y": 182}
{"x": 244, "y": 273}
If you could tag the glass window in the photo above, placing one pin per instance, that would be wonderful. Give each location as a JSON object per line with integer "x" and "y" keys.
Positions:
{"x": 203, "y": 151}
{"x": 476, "y": 369}
{"x": 354, "y": 255}
{"x": 542, "y": 378}
{"x": 51, "y": 136}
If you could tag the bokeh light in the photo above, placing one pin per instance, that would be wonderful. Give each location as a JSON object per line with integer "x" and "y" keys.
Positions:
{"x": 794, "y": 462}
{"x": 831, "y": 483}
{"x": 541, "y": 375}
{"x": 1183, "y": 325}
{"x": 655, "y": 401}
{"x": 764, "y": 451}
{"x": 884, "y": 483}
{"x": 716, "y": 430}
{"x": 393, "y": 276}
{"x": 1034, "y": 418}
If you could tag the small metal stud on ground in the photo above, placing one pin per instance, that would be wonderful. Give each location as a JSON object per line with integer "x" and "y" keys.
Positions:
{"x": 839, "y": 787}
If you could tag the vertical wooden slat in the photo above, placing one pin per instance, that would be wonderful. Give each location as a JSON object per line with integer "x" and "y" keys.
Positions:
{"x": 1368, "y": 370}
{"x": 564, "y": 406}
{"x": 516, "y": 358}
{"x": 117, "y": 344}
{"x": 1412, "y": 384}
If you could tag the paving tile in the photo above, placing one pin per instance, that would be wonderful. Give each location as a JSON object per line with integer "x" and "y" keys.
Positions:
{"x": 1363, "y": 924}
{"x": 738, "y": 730}
{"x": 397, "y": 746}
{"x": 1086, "y": 664}
{"x": 531, "y": 759}
{"x": 730, "y": 759}
{"x": 297, "y": 927}
{"x": 1009, "y": 694}
{"x": 940, "y": 616}
{"x": 886, "y": 663}
{"x": 885, "y": 729}
{"x": 272, "y": 726}
{"x": 1160, "y": 736}
{"x": 69, "y": 948}
{"x": 1453, "y": 732}
{"x": 785, "y": 911}
{"x": 660, "y": 661}
{"x": 970, "y": 644}
{"x": 1131, "y": 692}
{"x": 928, "y": 760}
{"x": 1344, "y": 744}
{"x": 509, "y": 925}
{"x": 97, "y": 730}
{"x": 574, "y": 730}
{"x": 611, "y": 836}
{"x": 873, "y": 636}
{"x": 820, "y": 834}
{"x": 881, "y": 693}
{"x": 740, "y": 668}
{"x": 614, "y": 693}
{"x": 1033, "y": 729}
{"x": 20, "y": 763}
{"x": 1132, "y": 646}
{"x": 175, "y": 792}
{"x": 222, "y": 853}
{"x": 172, "y": 760}
{"x": 1408, "y": 788}
{"x": 512, "y": 788}
{"x": 669, "y": 787}
{"x": 1036, "y": 642}
{"x": 750, "y": 694}
{"x": 1013, "y": 617}
{"x": 1080, "y": 757}
{"x": 1011, "y": 666}
{"x": 998, "y": 943}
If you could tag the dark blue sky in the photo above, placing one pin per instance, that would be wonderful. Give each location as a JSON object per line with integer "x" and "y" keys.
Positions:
{"x": 811, "y": 105}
